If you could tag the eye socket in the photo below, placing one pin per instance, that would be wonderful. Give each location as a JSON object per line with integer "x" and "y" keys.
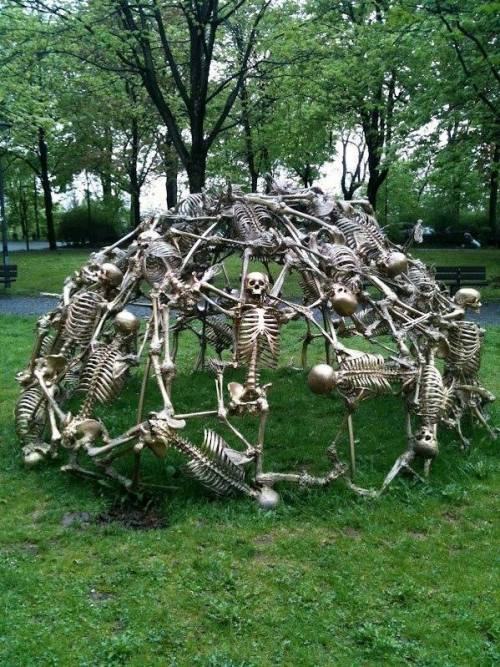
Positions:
{"x": 427, "y": 437}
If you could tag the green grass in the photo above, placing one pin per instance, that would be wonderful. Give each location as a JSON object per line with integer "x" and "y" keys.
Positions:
{"x": 326, "y": 579}
{"x": 43, "y": 271}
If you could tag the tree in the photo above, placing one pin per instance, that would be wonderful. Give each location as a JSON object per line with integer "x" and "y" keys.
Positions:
{"x": 112, "y": 133}
{"x": 372, "y": 64}
{"x": 193, "y": 88}
{"x": 471, "y": 29}
{"x": 352, "y": 179}
{"x": 28, "y": 103}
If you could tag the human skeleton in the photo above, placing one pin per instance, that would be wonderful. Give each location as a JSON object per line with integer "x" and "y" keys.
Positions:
{"x": 354, "y": 282}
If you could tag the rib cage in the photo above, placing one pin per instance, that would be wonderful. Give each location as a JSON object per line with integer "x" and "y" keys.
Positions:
{"x": 419, "y": 275}
{"x": 193, "y": 205}
{"x": 159, "y": 258}
{"x": 258, "y": 336}
{"x": 211, "y": 465}
{"x": 369, "y": 223}
{"x": 359, "y": 238}
{"x": 30, "y": 415}
{"x": 464, "y": 340}
{"x": 249, "y": 220}
{"x": 308, "y": 286}
{"x": 218, "y": 332}
{"x": 369, "y": 317}
{"x": 433, "y": 395}
{"x": 366, "y": 372}
{"x": 339, "y": 259}
{"x": 81, "y": 318}
{"x": 100, "y": 380}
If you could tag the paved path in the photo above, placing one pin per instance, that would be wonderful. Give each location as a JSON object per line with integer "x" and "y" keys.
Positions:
{"x": 20, "y": 246}
{"x": 37, "y": 305}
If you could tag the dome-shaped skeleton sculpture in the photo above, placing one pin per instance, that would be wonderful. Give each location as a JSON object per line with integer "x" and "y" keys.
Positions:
{"x": 354, "y": 282}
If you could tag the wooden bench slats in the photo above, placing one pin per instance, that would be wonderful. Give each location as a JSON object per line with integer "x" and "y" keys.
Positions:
{"x": 8, "y": 274}
{"x": 456, "y": 276}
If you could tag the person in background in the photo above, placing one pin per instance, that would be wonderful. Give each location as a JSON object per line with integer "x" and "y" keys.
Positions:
{"x": 470, "y": 241}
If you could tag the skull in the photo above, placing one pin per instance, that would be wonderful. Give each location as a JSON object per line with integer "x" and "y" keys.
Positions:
{"x": 256, "y": 285}
{"x": 393, "y": 263}
{"x": 343, "y": 300}
{"x": 82, "y": 433}
{"x": 126, "y": 322}
{"x": 322, "y": 379}
{"x": 51, "y": 365}
{"x": 468, "y": 297}
{"x": 425, "y": 443}
{"x": 145, "y": 238}
{"x": 110, "y": 274}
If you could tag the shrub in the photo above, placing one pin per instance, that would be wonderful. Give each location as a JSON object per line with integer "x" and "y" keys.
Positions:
{"x": 105, "y": 223}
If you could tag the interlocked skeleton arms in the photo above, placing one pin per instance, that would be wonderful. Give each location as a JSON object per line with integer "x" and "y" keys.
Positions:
{"x": 354, "y": 282}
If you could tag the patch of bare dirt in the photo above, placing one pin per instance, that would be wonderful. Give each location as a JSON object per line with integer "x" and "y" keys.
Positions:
{"x": 266, "y": 538}
{"x": 417, "y": 535}
{"x": 135, "y": 518}
{"x": 353, "y": 533}
{"x": 75, "y": 519}
{"x": 99, "y": 596}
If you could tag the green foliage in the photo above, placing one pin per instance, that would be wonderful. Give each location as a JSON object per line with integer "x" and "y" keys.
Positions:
{"x": 97, "y": 224}
{"x": 418, "y": 83}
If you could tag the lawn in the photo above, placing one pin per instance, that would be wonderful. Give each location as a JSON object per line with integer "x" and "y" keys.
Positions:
{"x": 42, "y": 270}
{"x": 326, "y": 579}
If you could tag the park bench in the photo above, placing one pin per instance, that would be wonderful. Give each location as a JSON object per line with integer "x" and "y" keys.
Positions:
{"x": 8, "y": 274}
{"x": 460, "y": 276}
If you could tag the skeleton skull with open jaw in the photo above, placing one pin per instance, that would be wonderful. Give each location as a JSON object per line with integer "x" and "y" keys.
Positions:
{"x": 467, "y": 297}
{"x": 425, "y": 443}
{"x": 256, "y": 285}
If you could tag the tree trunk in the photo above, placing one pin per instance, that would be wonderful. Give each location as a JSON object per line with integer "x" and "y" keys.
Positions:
{"x": 171, "y": 162}
{"x": 493, "y": 199}
{"x": 35, "y": 207}
{"x": 106, "y": 166}
{"x": 377, "y": 175}
{"x": 457, "y": 201}
{"x": 47, "y": 188}
{"x": 247, "y": 131}
{"x": 350, "y": 181}
{"x": 196, "y": 170}
{"x": 171, "y": 187}
{"x": 135, "y": 208}
{"x": 375, "y": 180}
{"x": 89, "y": 208}
{"x": 23, "y": 215}
{"x": 133, "y": 176}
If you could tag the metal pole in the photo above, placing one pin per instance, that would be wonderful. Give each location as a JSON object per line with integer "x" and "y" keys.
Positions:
{"x": 3, "y": 220}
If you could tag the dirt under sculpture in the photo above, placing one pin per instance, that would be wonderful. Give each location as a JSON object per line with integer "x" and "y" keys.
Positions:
{"x": 354, "y": 282}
